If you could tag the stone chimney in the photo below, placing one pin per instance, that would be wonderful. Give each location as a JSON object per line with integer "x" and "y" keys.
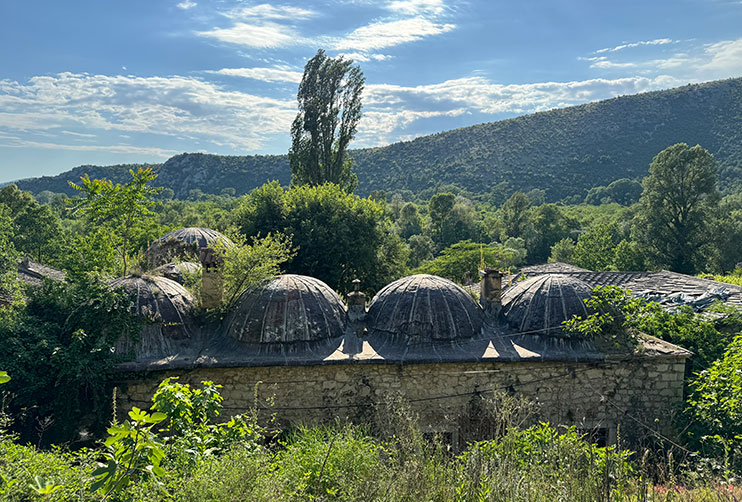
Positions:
{"x": 356, "y": 303}
{"x": 490, "y": 290}
{"x": 212, "y": 280}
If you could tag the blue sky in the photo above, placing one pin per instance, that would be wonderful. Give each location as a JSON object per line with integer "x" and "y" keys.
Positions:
{"x": 105, "y": 82}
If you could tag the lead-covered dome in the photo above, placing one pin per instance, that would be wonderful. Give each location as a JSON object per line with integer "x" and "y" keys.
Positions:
{"x": 540, "y": 304}
{"x": 183, "y": 243}
{"x": 165, "y": 306}
{"x": 290, "y": 308}
{"x": 424, "y": 307}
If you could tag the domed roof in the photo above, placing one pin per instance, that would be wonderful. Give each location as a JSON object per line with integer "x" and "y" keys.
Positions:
{"x": 290, "y": 308}
{"x": 202, "y": 237}
{"x": 540, "y": 304}
{"x": 158, "y": 299}
{"x": 183, "y": 243}
{"x": 165, "y": 305}
{"x": 426, "y": 307}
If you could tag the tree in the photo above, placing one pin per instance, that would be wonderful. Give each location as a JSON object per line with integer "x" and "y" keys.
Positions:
{"x": 121, "y": 206}
{"x": 595, "y": 248}
{"x": 37, "y": 231}
{"x": 338, "y": 236}
{"x": 514, "y": 213}
{"x": 677, "y": 202}
{"x": 452, "y": 219}
{"x": 562, "y": 251}
{"x": 329, "y": 110}
{"x": 549, "y": 226}
{"x": 462, "y": 260}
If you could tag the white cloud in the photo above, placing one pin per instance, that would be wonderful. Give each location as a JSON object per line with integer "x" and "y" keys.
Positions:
{"x": 268, "y": 11}
{"x": 11, "y": 142}
{"x": 186, "y": 4}
{"x": 604, "y": 63}
{"x": 263, "y": 74}
{"x": 178, "y": 107}
{"x": 78, "y": 134}
{"x": 361, "y": 57}
{"x": 384, "y": 34}
{"x": 725, "y": 58}
{"x": 658, "y": 41}
{"x": 265, "y": 35}
{"x": 416, "y": 7}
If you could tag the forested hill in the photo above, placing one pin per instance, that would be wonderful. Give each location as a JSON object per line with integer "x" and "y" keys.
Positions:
{"x": 564, "y": 151}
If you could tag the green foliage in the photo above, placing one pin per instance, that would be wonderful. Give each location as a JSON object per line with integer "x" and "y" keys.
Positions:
{"x": 514, "y": 214}
{"x": 562, "y": 251}
{"x": 676, "y": 204}
{"x": 628, "y": 257}
{"x": 4, "y": 377}
{"x": 58, "y": 349}
{"x": 715, "y": 404}
{"x": 622, "y": 191}
{"x": 133, "y": 451}
{"x": 548, "y": 225}
{"x": 545, "y": 456}
{"x": 463, "y": 260}
{"x": 422, "y": 248}
{"x": 409, "y": 222}
{"x": 248, "y": 266}
{"x": 595, "y": 249}
{"x": 338, "y": 236}
{"x": 120, "y": 206}
{"x": 614, "y": 317}
{"x": 329, "y": 99}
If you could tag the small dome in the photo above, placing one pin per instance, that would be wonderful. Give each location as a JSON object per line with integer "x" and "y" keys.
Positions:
{"x": 540, "y": 304}
{"x": 165, "y": 305}
{"x": 425, "y": 307}
{"x": 182, "y": 243}
{"x": 290, "y": 308}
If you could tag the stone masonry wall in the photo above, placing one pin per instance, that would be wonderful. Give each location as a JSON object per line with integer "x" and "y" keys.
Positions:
{"x": 591, "y": 396}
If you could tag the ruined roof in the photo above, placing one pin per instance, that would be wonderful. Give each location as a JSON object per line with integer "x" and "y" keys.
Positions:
{"x": 290, "y": 308}
{"x": 424, "y": 307}
{"x": 657, "y": 285}
{"x": 540, "y": 304}
{"x": 551, "y": 268}
{"x": 34, "y": 273}
{"x": 177, "y": 271}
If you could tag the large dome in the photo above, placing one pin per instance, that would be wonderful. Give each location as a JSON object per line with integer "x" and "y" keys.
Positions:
{"x": 290, "y": 308}
{"x": 182, "y": 243}
{"x": 540, "y": 304}
{"x": 424, "y": 307}
{"x": 165, "y": 307}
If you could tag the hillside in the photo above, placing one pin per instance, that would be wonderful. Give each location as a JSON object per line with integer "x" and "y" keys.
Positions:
{"x": 564, "y": 151}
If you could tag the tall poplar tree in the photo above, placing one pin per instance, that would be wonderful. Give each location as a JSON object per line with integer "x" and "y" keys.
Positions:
{"x": 329, "y": 110}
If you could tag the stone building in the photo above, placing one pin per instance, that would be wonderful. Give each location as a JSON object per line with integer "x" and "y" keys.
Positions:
{"x": 297, "y": 350}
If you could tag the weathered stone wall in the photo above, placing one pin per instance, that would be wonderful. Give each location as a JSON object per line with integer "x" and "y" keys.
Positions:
{"x": 591, "y": 396}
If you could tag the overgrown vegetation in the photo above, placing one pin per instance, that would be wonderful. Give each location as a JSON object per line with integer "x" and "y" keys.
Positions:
{"x": 174, "y": 453}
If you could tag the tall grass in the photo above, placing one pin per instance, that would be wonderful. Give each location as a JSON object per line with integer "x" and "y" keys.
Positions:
{"x": 391, "y": 459}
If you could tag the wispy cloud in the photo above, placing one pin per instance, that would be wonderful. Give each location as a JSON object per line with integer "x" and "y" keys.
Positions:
{"x": 186, "y": 4}
{"x": 265, "y": 35}
{"x": 695, "y": 62}
{"x": 15, "y": 142}
{"x": 269, "y": 11}
{"x": 384, "y": 34}
{"x": 263, "y": 74}
{"x": 657, "y": 41}
{"x": 417, "y": 7}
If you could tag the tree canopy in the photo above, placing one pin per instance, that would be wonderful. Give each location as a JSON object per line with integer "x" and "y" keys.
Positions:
{"x": 678, "y": 199}
{"x": 329, "y": 110}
